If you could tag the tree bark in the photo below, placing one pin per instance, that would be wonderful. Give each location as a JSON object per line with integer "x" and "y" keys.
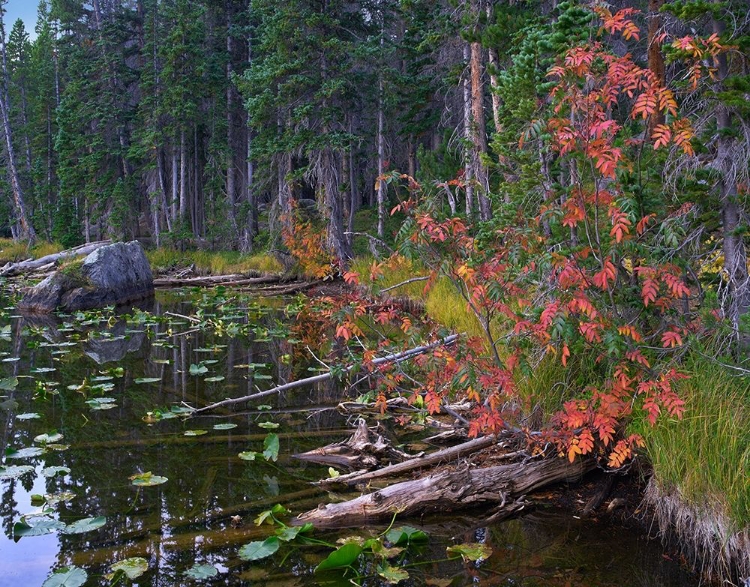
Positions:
{"x": 468, "y": 138}
{"x": 479, "y": 131}
{"x": 448, "y": 491}
{"x": 655, "y": 56}
{"x": 27, "y": 229}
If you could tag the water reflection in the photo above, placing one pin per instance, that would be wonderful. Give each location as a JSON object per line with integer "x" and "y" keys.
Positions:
{"x": 205, "y": 511}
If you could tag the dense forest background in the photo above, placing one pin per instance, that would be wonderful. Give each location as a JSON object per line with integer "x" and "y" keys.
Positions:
{"x": 187, "y": 122}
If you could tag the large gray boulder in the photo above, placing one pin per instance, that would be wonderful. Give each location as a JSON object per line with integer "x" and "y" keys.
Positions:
{"x": 112, "y": 275}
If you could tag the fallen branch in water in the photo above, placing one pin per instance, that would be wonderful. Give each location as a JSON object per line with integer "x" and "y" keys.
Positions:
{"x": 435, "y": 458}
{"x": 392, "y": 358}
{"x": 448, "y": 491}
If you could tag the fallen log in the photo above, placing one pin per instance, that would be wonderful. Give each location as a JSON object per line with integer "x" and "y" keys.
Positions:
{"x": 231, "y": 280}
{"x": 448, "y": 491}
{"x": 393, "y": 358}
{"x": 443, "y": 456}
{"x": 362, "y": 450}
{"x": 30, "y": 265}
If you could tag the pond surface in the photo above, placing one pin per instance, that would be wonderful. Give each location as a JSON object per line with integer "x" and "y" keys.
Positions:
{"x": 109, "y": 387}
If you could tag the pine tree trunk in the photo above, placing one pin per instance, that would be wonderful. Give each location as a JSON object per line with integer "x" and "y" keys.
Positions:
{"x": 231, "y": 168}
{"x": 381, "y": 159}
{"x": 27, "y": 230}
{"x": 735, "y": 253}
{"x": 655, "y": 56}
{"x": 183, "y": 178}
{"x": 479, "y": 131}
{"x": 468, "y": 139}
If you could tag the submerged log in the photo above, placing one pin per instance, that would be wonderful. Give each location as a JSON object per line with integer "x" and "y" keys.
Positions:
{"x": 31, "y": 265}
{"x": 231, "y": 280}
{"x": 362, "y": 450}
{"x": 448, "y": 491}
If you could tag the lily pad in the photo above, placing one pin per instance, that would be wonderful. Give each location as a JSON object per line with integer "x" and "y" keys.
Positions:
{"x": 214, "y": 379}
{"x": 24, "y": 453}
{"x": 132, "y": 567}
{"x": 59, "y": 497}
{"x": 341, "y": 557}
{"x": 393, "y": 574}
{"x": 50, "y": 438}
{"x": 195, "y": 432}
{"x": 28, "y": 416}
{"x": 406, "y": 535}
{"x": 85, "y": 525}
{"x": 271, "y": 447}
{"x": 268, "y": 425}
{"x": 472, "y": 551}
{"x": 58, "y": 447}
{"x": 147, "y": 380}
{"x": 9, "y": 383}
{"x": 40, "y": 527}
{"x": 259, "y": 550}
{"x": 52, "y": 471}
{"x": 14, "y": 472}
{"x": 227, "y": 426}
{"x": 66, "y": 577}
{"x": 248, "y": 455}
{"x": 147, "y": 479}
{"x": 198, "y": 369}
{"x": 202, "y": 572}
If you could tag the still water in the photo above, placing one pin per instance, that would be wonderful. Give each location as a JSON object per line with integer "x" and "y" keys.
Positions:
{"x": 100, "y": 382}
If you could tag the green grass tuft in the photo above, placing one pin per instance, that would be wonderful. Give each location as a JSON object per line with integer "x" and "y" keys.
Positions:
{"x": 705, "y": 457}
{"x": 213, "y": 263}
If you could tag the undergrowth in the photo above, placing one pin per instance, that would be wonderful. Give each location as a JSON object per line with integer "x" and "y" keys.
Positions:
{"x": 705, "y": 457}
{"x": 442, "y": 301}
{"x": 213, "y": 262}
{"x": 13, "y": 251}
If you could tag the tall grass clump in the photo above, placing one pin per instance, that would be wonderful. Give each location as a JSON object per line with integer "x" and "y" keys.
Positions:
{"x": 700, "y": 487}
{"x": 213, "y": 262}
{"x": 13, "y": 251}
{"x": 442, "y": 301}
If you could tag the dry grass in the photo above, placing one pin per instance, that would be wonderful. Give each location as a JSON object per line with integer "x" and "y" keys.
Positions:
{"x": 213, "y": 263}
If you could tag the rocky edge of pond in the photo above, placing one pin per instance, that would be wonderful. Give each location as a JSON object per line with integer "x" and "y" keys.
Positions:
{"x": 112, "y": 275}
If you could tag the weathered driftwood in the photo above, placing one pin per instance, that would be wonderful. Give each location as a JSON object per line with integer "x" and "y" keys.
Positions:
{"x": 30, "y": 265}
{"x": 447, "y": 491}
{"x": 362, "y": 450}
{"x": 393, "y": 358}
{"x": 436, "y": 458}
{"x": 231, "y": 280}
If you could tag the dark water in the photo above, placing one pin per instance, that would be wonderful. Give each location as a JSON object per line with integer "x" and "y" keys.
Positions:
{"x": 204, "y": 513}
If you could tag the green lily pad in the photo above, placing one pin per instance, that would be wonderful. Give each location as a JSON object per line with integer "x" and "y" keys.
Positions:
{"x": 202, "y": 572}
{"x": 195, "y": 432}
{"x": 9, "y": 383}
{"x": 271, "y": 447}
{"x": 147, "y": 479}
{"x": 341, "y": 557}
{"x": 248, "y": 455}
{"x": 214, "y": 379}
{"x": 227, "y": 426}
{"x": 50, "y": 438}
{"x": 40, "y": 527}
{"x": 85, "y": 525}
{"x": 14, "y": 472}
{"x": 147, "y": 380}
{"x": 52, "y": 471}
{"x": 66, "y": 577}
{"x": 132, "y": 567}
{"x": 472, "y": 551}
{"x": 198, "y": 369}
{"x": 259, "y": 550}
{"x": 24, "y": 453}
{"x": 43, "y": 370}
{"x": 268, "y": 425}
{"x": 57, "y": 447}
{"x": 406, "y": 535}
{"x": 28, "y": 416}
